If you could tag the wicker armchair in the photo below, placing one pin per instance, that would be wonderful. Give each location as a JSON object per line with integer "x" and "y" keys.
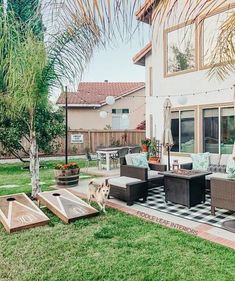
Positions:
{"x": 151, "y": 177}
{"x": 222, "y": 194}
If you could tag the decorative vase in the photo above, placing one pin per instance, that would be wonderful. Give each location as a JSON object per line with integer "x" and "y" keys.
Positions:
{"x": 154, "y": 159}
{"x": 145, "y": 148}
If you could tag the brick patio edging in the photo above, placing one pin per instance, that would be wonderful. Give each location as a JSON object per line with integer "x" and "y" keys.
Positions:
{"x": 200, "y": 231}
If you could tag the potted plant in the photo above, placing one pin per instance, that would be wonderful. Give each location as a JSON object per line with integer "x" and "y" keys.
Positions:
{"x": 67, "y": 174}
{"x": 145, "y": 144}
{"x": 153, "y": 149}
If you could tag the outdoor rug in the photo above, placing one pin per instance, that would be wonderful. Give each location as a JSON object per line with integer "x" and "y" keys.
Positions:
{"x": 200, "y": 213}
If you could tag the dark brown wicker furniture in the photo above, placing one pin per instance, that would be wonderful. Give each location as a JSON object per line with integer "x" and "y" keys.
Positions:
{"x": 187, "y": 189}
{"x": 143, "y": 173}
{"x": 222, "y": 194}
{"x": 132, "y": 191}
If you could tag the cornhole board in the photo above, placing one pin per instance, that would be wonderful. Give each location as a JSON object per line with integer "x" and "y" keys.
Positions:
{"x": 66, "y": 205}
{"x": 18, "y": 212}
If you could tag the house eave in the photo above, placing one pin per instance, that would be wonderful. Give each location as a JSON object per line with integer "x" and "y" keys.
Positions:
{"x": 139, "y": 58}
{"x": 126, "y": 94}
{"x": 79, "y": 105}
{"x": 144, "y": 13}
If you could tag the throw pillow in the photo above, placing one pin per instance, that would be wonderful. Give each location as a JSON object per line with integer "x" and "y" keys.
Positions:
{"x": 200, "y": 161}
{"x": 230, "y": 169}
{"x": 140, "y": 160}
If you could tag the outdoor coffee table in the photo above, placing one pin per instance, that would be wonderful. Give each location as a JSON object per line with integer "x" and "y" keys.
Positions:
{"x": 185, "y": 187}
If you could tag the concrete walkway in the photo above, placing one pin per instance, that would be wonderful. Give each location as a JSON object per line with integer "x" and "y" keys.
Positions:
{"x": 205, "y": 231}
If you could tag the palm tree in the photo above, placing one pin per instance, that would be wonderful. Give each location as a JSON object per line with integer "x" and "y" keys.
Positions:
{"x": 32, "y": 67}
{"x": 116, "y": 16}
{"x": 74, "y": 29}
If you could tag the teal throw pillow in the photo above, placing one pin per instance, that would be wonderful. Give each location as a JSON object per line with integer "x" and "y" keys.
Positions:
{"x": 200, "y": 161}
{"x": 140, "y": 160}
{"x": 230, "y": 169}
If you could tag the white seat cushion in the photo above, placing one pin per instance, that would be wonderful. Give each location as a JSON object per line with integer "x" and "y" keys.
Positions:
{"x": 217, "y": 175}
{"x": 122, "y": 181}
{"x": 152, "y": 174}
{"x": 224, "y": 159}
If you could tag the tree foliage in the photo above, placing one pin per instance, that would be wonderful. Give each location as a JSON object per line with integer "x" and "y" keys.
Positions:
{"x": 14, "y": 131}
{"x": 182, "y": 59}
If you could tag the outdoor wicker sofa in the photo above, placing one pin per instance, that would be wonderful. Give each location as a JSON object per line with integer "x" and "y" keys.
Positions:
{"x": 222, "y": 194}
{"x": 151, "y": 176}
{"x": 126, "y": 188}
{"x": 217, "y": 167}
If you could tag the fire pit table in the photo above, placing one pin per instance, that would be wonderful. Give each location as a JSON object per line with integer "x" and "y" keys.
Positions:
{"x": 185, "y": 187}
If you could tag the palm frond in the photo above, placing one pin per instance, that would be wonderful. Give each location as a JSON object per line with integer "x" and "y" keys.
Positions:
{"x": 223, "y": 59}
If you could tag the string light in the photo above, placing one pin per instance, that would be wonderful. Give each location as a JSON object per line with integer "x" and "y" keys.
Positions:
{"x": 219, "y": 91}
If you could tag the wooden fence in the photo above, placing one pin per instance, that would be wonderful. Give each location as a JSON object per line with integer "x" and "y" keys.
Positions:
{"x": 80, "y": 140}
{"x": 98, "y": 138}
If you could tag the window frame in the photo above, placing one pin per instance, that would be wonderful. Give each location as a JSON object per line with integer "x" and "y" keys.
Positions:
{"x": 199, "y": 41}
{"x": 165, "y": 48}
{"x": 179, "y": 110}
{"x": 200, "y": 32}
{"x": 219, "y": 106}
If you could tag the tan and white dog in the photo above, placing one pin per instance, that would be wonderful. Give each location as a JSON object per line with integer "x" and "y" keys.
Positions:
{"x": 99, "y": 192}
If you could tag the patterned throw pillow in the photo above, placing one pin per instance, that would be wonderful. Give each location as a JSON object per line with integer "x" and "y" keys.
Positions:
{"x": 140, "y": 160}
{"x": 200, "y": 161}
{"x": 230, "y": 169}
{"x": 216, "y": 168}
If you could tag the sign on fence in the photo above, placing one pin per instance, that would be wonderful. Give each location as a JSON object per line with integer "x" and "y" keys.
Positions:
{"x": 77, "y": 138}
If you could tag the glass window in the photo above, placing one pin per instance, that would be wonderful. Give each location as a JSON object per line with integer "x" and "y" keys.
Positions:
{"x": 119, "y": 123}
{"x": 211, "y": 130}
{"x": 211, "y": 31}
{"x": 181, "y": 49}
{"x": 187, "y": 131}
{"x": 175, "y": 130}
{"x": 120, "y": 110}
{"x": 120, "y": 118}
{"x": 182, "y": 127}
{"x": 227, "y": 130}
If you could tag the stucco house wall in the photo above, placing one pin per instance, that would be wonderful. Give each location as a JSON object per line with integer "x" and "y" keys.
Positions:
{"x": 187, "y": 83}
{"x": 88, "y": 118}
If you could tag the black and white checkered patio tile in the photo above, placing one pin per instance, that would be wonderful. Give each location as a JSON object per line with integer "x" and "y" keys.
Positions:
{"x": 200, "y": 213}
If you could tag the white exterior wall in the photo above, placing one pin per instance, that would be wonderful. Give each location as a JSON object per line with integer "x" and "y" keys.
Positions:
{"x": 196, "y": 81}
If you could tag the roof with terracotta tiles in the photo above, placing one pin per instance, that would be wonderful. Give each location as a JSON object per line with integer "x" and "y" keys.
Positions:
{"x": 94, "y": 93}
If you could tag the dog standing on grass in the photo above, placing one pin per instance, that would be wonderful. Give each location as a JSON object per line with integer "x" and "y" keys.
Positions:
{"x": 99, "y": 192}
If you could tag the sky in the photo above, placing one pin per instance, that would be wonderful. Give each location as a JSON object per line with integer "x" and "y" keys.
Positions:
{"x": 114, "y": 63}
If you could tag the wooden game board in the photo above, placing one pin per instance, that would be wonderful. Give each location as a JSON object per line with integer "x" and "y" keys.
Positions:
{"x": 18, "y": 212}
{"x": 66, "y": 205}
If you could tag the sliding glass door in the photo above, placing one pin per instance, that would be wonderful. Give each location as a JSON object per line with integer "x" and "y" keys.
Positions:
{"x": 218, "y": 130}
{"x": 211, "y": 130}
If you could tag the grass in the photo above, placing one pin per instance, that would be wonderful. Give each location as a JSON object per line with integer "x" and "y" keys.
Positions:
{"x": 112, "y": 247}
{"x": 14, "y": 174}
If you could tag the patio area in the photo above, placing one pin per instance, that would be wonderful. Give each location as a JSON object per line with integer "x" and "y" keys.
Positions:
{"x": 196, "y": 221}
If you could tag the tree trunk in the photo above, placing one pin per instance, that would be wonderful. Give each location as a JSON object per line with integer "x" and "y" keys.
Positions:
{"x": 34, "y": 165}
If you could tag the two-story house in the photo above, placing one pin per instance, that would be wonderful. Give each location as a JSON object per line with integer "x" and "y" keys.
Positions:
{"x": 177, "y": 63}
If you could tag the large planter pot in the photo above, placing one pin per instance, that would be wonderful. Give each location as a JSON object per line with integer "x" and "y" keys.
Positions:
{"x": 154, "y": 159}
{"x": 67, "y": 178}
{"x": 145, "y": 148}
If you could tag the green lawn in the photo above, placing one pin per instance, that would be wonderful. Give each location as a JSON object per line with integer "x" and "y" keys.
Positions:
{"x": 112, "y": 247}
{"x": 14, "y": 174}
